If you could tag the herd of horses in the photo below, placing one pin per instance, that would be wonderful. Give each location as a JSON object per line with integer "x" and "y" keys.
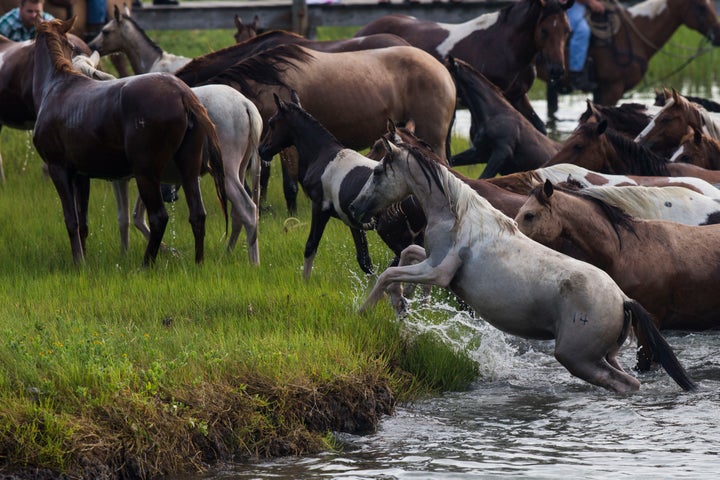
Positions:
{"x": 612, "y": 231}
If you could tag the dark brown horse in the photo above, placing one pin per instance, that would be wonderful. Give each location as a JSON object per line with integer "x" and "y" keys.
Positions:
{"x": 16, "y": 79}
{"x": 629, "y": 118}
{"x": 503, "y": 139}
{"x": 670, "y": 268}
{"x": 151, "y": 127}
{"x": 602, "y": 149}
{"x": 619, "y": 62}
{"x": 501, "y": 45}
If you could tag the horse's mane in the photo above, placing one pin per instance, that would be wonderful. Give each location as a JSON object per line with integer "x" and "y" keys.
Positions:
{"x": 464, "y": 202}
{"x": 629, "y": 118}
{"x": 637, "y": 159}
{"x": 617, "y": 217}
{"x": 266, "y": 67}
{"x": 139, "y": 29}
{"x": 228, "y": 56}
{"x": 55, "y": 46}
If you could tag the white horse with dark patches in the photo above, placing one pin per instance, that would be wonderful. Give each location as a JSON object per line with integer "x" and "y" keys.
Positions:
{"x": 330, "y": 174}
{"x": 239, "y": 126}
{"x": 514, "y": 283}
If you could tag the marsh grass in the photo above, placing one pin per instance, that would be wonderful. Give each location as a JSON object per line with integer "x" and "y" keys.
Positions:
{"x": 113, "y": 369}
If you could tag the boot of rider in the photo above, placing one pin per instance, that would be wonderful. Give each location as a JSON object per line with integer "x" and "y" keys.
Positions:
{"x": 581, "y": 80}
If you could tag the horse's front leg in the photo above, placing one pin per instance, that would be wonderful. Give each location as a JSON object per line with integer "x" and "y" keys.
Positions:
{"x": 410, "y": 255}
{"x": 120, "y": 189}
{"x": 64, "y": 186}
{"x": 82, "y": 194}
{"x": 522, "y": 104}
{"x": 362, "y": 252}
{"x": 500, "y": 155}
{"x": 318, "y": 222}
{"x": 427, "y": 272}
{"x": 191, "y": 185}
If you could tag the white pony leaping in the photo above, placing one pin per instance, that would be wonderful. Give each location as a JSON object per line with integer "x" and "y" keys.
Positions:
{"x": 514, "y": 283}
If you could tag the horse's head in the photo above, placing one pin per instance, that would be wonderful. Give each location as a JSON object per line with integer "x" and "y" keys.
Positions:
{"x": 700, "y": 16}
{"x": 551, "y": 34}
{"x": 111, "y": 37}
{"x": 584, "y": 147}
{"x": 697, "y": 148}
{"x": 243, "y": 31}
{"x": 278, "y": 131}
{"x": 53, "y": 34}
{"x": 664, "y": 132}
{"x": 536, "y": 218}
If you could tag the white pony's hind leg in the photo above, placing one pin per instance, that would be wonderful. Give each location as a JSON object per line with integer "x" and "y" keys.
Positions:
{"x": 597, "y": 371}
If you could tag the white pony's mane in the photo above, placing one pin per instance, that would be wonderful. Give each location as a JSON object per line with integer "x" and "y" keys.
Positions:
{"x": 471, "y": 210}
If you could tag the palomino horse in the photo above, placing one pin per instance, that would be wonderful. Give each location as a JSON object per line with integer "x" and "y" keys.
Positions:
{"x": 619, "y": 62}
{"x": 512, "y": 282}
{"x": 352, "y": 94}
{"x": 524, "y": 182}
{"x": 501, "y": 45}
{"x": 674, "y": 120}
{"x": 237, "y": 122}
{"x": 670, "y": 268}
{"x": 503, "y": 138}
{"x": 598, "y": 148}
{"x": 331, "y": 175}
{"x": 151, "y": 127}
{"x": 698, "y": 149}
{"x": 16, "y": 80}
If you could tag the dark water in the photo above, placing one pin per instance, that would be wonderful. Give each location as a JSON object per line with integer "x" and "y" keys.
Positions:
{"x": 528, "y": 417}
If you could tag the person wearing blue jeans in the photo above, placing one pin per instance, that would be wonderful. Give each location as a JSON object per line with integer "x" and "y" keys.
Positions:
{"x": 580, "y": 42}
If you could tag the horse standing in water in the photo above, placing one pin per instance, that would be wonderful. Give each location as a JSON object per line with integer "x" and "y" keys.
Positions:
{"x": 670, "y": 268}
{"x": 501, "y": 45}
{"x": 151, "y": 127}
{"x": 512, "y": 282}
{"x": 619, "y": 62}
{"x": 502, "y": 137}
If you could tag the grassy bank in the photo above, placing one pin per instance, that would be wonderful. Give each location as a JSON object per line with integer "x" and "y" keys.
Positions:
{"x": 110, "y": 370}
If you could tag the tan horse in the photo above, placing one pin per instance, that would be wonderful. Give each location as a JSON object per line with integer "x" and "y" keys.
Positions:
{"x": 670, "y": 268}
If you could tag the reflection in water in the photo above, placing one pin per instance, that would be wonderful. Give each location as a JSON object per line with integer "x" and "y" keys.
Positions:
{"x": 528, "y": 417}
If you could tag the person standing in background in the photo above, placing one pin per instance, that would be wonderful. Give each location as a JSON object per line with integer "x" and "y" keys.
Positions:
{"x": 19, "y": 23}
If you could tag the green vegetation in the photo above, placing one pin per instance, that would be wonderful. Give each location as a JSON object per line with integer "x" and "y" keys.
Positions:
{"x": 113, "y": 368}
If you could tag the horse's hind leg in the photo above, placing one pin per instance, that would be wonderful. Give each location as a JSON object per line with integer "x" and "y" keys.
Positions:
{"x": 244, "y": 212}
{"x": 584, "y": 362}
{"x": 197, "y": 214}
{"x": 157, "y": 215}
{"x": 66, "y": 191}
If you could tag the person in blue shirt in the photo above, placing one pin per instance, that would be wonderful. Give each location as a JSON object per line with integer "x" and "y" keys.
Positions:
{"x": 19, "y": 23}
{"x": 580, "y": 42}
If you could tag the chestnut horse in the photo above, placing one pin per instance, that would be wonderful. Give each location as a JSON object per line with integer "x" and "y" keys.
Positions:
{"x": 670, "y": 268}
{"x": 674, "y": 120}
{"x": 698, "y": 149}
{"x": 619, "y": 62}
{"x": 599, "y": 148}
{"x": 501, "y": 45}
{"x": 151, "y": 127}
{"x": 515, "y": 284}
{"x": 502, "y": 137}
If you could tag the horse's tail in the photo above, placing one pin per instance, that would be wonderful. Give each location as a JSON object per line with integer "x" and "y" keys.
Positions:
{"x": 642, "y": 322}
{"x": 211, "y": 150}
{"x": 256, "y": 126}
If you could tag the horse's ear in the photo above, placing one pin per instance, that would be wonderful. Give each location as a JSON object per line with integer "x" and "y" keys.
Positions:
{"x": 548, "y": 188}
{"x": 95, "y": 58}
{"x": 602, "y": 126}
{"x": 410, "y": 126}
{"x": 116, "y": 13}
{"x": 67, "y": 25}
{"x": 697, "y": 135}
{"x": 126, "y": 10}
{"x": 238, "y": 22}
{"x": 280, "y": 104}
{"x": 391, "y": 126}
{"x": 255, "y": 23}
{"x": 294, "y": 98}
{"x": 675, "y": 94}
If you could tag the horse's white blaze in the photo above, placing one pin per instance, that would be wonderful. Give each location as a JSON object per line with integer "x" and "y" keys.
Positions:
{"x": 458, "y": 32}
{"x": 334, "y": 174}
{"x": 678, "y": 152}
{"x": 648, "y": 8}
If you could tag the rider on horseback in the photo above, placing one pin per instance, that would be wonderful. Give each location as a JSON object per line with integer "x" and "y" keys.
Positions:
{"x": 580, "y": 42}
